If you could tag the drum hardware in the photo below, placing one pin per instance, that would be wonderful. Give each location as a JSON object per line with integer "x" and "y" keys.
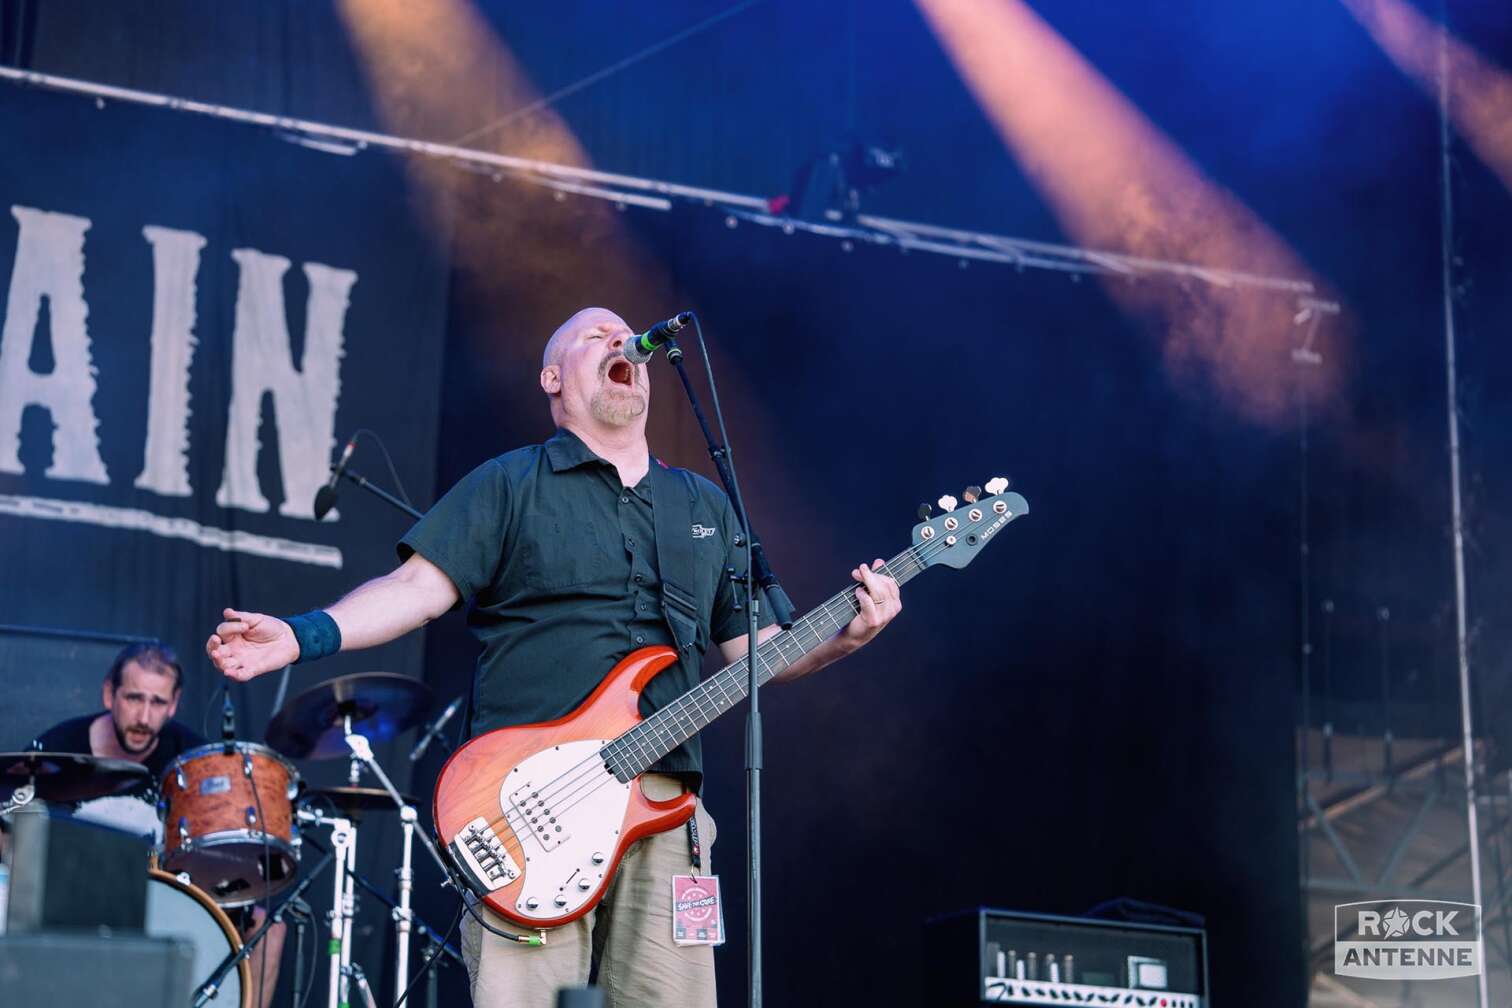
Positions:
{"x": 212, "y": 985}
{"x": 362, "y": 753}
{"x": 434, "y": 946}
{"x": 26, "y": 777}
{"x": 300, "y": 913}
{"x": 343, "y": 857}
{"x": 23, "y": 795}
{"x": 360, "y": 979}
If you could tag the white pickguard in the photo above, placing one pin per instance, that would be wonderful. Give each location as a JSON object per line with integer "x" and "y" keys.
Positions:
{"x": 567, "y": 810}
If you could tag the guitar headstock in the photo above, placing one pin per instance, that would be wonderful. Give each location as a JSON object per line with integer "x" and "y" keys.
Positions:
{"x": 957, "y": 535}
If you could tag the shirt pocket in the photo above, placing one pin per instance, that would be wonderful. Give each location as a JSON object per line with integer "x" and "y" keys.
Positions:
{"x": 561, "y": 550}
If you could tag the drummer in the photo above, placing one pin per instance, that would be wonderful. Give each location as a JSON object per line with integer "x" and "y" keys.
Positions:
{"x": 141, "y": 694}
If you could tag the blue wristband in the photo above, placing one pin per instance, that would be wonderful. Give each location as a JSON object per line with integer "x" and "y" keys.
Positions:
{"x": 316, "y": 633}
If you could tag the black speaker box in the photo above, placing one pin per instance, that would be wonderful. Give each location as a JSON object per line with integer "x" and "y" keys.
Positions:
{"x": 66, "y": 873}
{"x": 44, "y": 969}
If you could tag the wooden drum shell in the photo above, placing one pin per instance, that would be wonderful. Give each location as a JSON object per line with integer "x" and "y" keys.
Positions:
{"x": 225, "y": 813}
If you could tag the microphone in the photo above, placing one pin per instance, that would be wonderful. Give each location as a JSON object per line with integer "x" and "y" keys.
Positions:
{"x": 643, "y": 347}
{"x": 433, "y": 730}
{"x": 228, "y": 722}
{"x": 325, "y": 497}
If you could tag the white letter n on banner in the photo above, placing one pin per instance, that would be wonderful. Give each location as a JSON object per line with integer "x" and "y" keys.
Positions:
{"x": 50, "y": 264}
{"x": 304, "y": 398}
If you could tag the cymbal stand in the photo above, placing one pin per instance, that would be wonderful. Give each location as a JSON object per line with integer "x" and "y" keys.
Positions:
{"x": 343, "y": 901}
{"x": 432, "y": 948}
{"x": 362, "y": 754}
{"x": 360, "y": 979}
{"x": 23, "y": 795}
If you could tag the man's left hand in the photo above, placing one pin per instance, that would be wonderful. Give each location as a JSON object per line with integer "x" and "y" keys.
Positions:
{"x": 879, "y": 601}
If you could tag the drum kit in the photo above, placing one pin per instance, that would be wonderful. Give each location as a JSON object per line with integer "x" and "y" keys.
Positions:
{"x": 233, "y": 813}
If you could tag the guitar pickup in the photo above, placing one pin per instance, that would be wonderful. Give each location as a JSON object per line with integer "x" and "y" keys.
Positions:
{"x": 538, "y": 817}
{"x": 481, "y": 854}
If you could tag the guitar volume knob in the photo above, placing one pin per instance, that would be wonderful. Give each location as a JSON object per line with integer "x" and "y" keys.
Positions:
{"x": 597, "y": 858}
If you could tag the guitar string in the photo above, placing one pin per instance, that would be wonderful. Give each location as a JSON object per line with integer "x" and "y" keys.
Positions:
{"x": 586, "y": 770}
{"x": 573, "y": 789}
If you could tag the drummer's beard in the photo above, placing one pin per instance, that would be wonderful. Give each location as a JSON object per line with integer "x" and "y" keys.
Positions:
{"x": 125, "y": 741}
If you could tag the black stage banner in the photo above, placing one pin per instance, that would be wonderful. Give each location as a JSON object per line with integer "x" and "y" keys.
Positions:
{"x": 196, "y": 315}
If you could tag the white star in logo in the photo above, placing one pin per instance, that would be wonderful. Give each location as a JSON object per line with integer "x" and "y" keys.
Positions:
{"x": 1396, "y": 922}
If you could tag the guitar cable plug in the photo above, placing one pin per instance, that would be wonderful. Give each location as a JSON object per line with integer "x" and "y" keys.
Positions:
{"x": 536, "y": 940}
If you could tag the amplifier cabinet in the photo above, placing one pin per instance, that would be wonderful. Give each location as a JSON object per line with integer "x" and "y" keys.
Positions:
{"x": 989, "y": 956}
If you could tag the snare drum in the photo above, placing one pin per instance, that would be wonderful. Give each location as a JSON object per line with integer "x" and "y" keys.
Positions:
{"x": 229, "y": 821}
{"x": 176, "y": 909}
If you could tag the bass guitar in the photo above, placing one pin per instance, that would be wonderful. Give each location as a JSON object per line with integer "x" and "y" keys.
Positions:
{"x": 536, "y": 817}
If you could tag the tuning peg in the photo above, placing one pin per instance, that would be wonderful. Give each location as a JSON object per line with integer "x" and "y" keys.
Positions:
{"x": 924, "y": 510}
{"x": 997, "y": 485}
{"x": 971, "y": 494}
{"x": 947, "y": 503}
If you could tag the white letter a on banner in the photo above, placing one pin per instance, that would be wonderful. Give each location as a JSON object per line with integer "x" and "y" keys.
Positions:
{"x": 49, "y": 264}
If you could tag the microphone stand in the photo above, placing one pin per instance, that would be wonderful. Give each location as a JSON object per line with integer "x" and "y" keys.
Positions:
{"x": 379, "y": 492}
{"x": 211, "y": 987}
{"x": 758, "y": 578}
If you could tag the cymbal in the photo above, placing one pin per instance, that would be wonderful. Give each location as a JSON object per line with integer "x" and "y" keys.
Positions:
{"x": 69, "y": 777}
{"x": 380, "y": 704}
{"x": 351, "y": 800}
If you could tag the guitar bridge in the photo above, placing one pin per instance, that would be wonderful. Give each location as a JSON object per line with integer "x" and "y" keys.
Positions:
{"x": 481, "y": 854}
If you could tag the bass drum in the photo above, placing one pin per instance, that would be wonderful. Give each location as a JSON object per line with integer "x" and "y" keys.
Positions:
{"x": 177, "y": 909}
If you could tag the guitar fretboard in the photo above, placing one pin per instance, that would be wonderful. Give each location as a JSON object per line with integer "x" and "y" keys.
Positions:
{"x": 639, "y": 748}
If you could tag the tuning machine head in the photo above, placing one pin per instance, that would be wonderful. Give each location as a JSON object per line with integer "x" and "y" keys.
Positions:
{"x": 947, "y": 503}
{"x": 997, "y": 485}
{"x": 924, "y": 511}
{"x": 971, "y": 494}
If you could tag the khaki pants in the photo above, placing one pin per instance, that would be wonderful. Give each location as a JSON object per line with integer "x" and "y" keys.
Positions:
{"x": 628, "y": 935}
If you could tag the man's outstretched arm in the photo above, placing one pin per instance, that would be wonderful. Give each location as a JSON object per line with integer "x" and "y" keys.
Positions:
{"x": 247, "y": 644}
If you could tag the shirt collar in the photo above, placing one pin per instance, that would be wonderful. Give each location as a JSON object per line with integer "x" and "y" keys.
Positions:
{"x": 565, "y": 450}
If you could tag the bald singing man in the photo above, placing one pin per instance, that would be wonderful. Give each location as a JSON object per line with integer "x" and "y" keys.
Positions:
{"x": 555, "y": 545}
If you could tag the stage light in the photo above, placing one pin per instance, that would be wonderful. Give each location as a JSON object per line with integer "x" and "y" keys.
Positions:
{"x": 1480, "y": 93}
{"x": 830, "y": 187}
{"x": 1117, "y": 184}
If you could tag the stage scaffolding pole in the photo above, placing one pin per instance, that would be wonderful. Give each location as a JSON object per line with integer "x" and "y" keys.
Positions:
{"x": 1456, "y": 503}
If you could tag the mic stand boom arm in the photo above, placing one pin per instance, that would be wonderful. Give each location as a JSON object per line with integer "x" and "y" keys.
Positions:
{"x": 379, "y": 492}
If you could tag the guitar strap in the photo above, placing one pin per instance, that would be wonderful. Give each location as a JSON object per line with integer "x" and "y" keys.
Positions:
{"x": 673, "y": 493}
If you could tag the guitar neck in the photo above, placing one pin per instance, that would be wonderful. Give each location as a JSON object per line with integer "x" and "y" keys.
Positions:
{"x": 640, "y": 747}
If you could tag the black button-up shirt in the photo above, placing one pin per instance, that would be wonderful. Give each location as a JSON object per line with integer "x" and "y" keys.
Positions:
{"x": 559, "y": 562}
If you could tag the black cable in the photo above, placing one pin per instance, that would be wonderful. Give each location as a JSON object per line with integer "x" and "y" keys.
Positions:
{"x": 472, "y": 908}
{"x": 210, "y": 706}
{"x": 430, "y": 963}
{"x": 314, "y": 960}
{"x": 394, "y": 473}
